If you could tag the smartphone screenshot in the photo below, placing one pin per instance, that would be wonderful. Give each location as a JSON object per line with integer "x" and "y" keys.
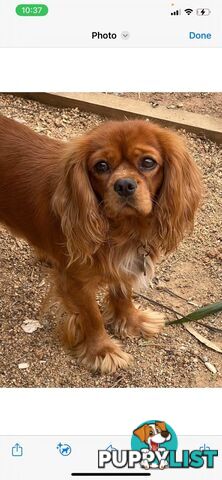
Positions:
{"x": 110, "y": 239}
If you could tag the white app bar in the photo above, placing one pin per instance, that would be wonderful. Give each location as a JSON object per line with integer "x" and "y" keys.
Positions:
{"x": 66, "y": 457}
{"x": 113, "y": 23}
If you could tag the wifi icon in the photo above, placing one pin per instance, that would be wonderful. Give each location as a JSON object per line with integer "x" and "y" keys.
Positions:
{"x": 188, "y": 11}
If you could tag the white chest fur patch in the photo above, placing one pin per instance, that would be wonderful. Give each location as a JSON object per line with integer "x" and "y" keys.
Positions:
{"x": 129, "y": 265}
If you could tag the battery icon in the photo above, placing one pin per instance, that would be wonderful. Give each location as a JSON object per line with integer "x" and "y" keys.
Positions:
{"x": 203, "y": 12}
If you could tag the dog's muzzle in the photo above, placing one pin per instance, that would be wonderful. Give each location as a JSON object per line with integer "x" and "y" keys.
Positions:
{"x": 125, "y": 187}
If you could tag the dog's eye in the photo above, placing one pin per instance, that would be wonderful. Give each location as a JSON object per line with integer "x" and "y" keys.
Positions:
{"x": 102, "y": 167}
{"x": 147, "y": 163}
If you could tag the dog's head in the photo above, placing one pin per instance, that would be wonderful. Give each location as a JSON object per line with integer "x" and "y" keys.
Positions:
{"x": 122, "y": 171}
{"x": 153, "y": 434}
{"x": 126, "y": 168}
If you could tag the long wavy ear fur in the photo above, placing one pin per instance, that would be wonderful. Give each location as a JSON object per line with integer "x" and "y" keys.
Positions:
{"x": 179, "y": 196}
{"x": 75, "y": 202}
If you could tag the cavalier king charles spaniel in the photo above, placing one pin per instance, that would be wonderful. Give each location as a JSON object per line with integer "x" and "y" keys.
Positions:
{"x": 102, "y": 208}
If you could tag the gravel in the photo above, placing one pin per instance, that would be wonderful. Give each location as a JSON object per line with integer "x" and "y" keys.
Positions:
{"x": 205, "y": 103}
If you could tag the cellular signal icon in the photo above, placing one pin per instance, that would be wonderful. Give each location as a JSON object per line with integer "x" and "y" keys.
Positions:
{"x": 188, "y": 11}
{"x": 176, "y": 12}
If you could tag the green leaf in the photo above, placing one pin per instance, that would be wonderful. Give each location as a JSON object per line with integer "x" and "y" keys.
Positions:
{"x": 200, "y": 313}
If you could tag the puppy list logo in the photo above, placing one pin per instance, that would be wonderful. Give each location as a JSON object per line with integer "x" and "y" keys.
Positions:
{"x": 154, "y": 445}
{"x": 155, "y": 440}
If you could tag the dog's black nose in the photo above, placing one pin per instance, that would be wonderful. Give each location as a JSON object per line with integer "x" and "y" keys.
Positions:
{"x": 164, "y": 433}
{"x": 125, "y": 187}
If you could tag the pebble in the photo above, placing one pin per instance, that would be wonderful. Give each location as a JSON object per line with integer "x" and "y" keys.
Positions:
{"x": 30, "y": 326}
{"x": 22, "y": 366}
{"x": 211, "y": 367}
{"x": 154, "y": 105}
{"x": 205, "y": 359}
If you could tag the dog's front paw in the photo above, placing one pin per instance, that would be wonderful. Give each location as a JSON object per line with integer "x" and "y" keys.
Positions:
{"x": 149, "y": 323}
{"x": 145, "y": 464}
{"x": 163, "y": 464}
{"x": 105, "y": 357}
{"x": 136, "y": 323}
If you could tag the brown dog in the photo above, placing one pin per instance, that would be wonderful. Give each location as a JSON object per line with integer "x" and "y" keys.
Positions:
{"x": 102, "y": 208}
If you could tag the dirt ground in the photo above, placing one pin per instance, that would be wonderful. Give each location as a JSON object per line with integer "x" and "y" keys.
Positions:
{"x": 174, "y": 358}
{"x": 205, "y": 103}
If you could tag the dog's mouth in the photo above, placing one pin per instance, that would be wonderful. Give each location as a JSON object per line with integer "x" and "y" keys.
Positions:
{"x": 154, "y": 445}
{"x": 129, "y": 208}
{"x": 133, "y": 208}
{"x": 128, "y": 204}
{"x": 125, "y": 207}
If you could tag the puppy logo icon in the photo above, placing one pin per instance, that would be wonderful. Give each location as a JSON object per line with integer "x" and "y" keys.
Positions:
{"x": 154, "y": 439}
{"x": 154, "y": 444}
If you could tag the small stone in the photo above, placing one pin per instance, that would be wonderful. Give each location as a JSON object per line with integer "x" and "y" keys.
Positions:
{"x": 180, "y": 105}
{"x": 22, "y": 366}
{"x": 154, "y": 105}
{"x": 205, "y": 359}
{"x": 30, "y": 326}
{"x": 211, "y": 367}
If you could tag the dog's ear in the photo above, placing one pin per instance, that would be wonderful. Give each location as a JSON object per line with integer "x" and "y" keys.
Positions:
{"x": 179, "y": 195}
{"x": 75, "y": 202}
{"x": 161, "y": 426}
{"x": 142, "y": 432}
